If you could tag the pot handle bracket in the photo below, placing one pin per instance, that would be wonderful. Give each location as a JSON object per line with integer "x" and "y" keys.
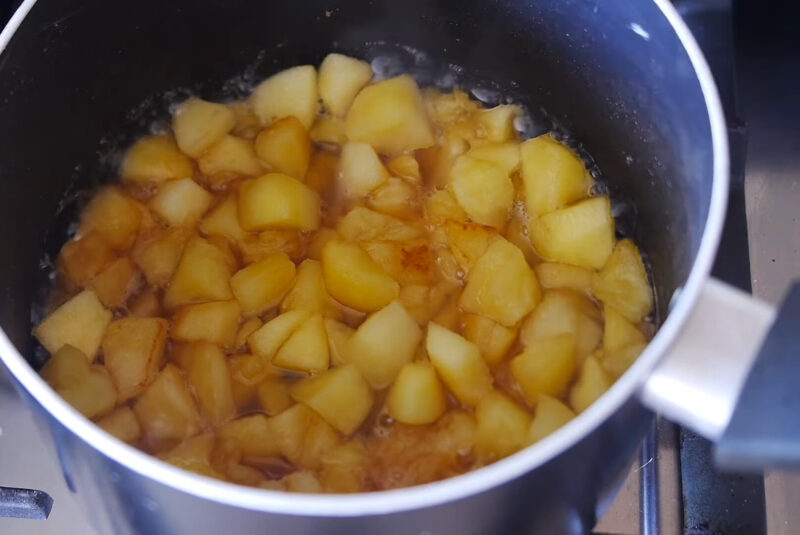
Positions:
{"x": 733, "y": 376}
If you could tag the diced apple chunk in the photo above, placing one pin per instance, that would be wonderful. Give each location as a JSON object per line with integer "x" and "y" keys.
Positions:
{"x": 395, "y": 197}
{"x": 468, "y": 242}
{"x": 504, "y": 155}
{"x": 502, "y": 426}
{"x": 266, "y": 341}
{"x": 550, "y": 416}
{"x": 405, "y": 166}
{"x": 113, "y": 216}
{"x": 459, "y": 363}
{"x": 155, "y": 159}
{"x": 278, "y": 201}
{"x": 261, "y": 285}
{"x": 618, "y": 331}
{"x": 302, "y": 436}
{"x": 483, "y": 189}
{"x": 354, "y": 279}
{"x": 328, "y": 129}
{"x": 554, "y": 275}
{"x": 285, "y": 147}
{"x": 497, "y": 124}
{"x": 158, "y": 258}
{"x": 493, "y": 340}
{"x": 623, "y": 283}
{"x": 340, "y": 395}
{"x": 166, "y": 410}
{"x": 85, "y": 257}
{"x": 390, "y": 116}
{"x": 360, "y": 169}
{"x": 215, "y": 322}
{"x": 593, "y": 381}
{"x": 252, "y": 435}
{"x": 133, "y": 349}
{"x": 564, "y": 312}
{"x": 228, "y": 158}
{"x": 322, "y": 171}
{"x": 198, "y": 124}
{"x": 617, "y": 362}
{"x": 80, "y": 322}
{"x": 417, "y": 396}
{"x": 308, "y": 291}
{"x": 210, "y": 378}
{"x": 441, "y": 206}
{"x": 383, "y": 344}
{"x": 306, "y": 349}
{"x": 362, "y": 224}
{"x": 340, "y": 79}
{"x": 289, "y": 92}
{"x": 180, "y": 202}
{"x": 88, "y": 388}
{"x": 117, "y": 282}
{"x": 223, "y": 221}
{"x": 338, "y": 335}
{"x": 343, "y": 468}
{"x": 546, "y": 367}
{"x": 203, "y": 274}
{"x": 122, "y": 424}
{"x": 194, "y": 454}
{"x": 505, "y": 299}
{"x": 553, "y": 176}
{"x": 581, "y": 234}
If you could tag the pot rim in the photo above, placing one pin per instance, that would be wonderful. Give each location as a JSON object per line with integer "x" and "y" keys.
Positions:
{"x": 458, "y": 487}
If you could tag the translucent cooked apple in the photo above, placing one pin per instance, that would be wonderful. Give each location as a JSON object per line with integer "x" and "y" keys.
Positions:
{"x": 342, "y": 284}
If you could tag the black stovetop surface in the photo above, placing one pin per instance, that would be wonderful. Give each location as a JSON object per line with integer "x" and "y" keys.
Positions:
{"x": 713, "y": 503}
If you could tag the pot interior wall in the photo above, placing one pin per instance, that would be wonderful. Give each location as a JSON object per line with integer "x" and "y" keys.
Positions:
{"x": 80, "y": 80}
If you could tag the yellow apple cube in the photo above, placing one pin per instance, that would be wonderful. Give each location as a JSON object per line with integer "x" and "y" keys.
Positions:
{"x": 203, "y": 274}
{"x": 360, "y": 169}
{"x": 550, "y": 416}
{"x": 483, "y": 189}
{"x": 354, "y": 279}
{"x": 395, "y": 197}
{"x": 459, "y": 363}
{"x": 306, "y": 349}
{"x": 581, "y": 234}
{"x": 564, "y": 312}
{"x": 208, "y": 374}
{"x": 228, "y": 158}
{"x": 554, "y": 275}
{"x": 215, "y": 322}
{"x": 340, "y": 79}
{"x": 117, "y": 282}
{"x": 493, "y": 340}
{"x": 278, "y": 201}
{"x": 383, "y": 344}
{"x": 122, "y": 424}
{"x": 80, "y": 322}
{"x": 390, "y": 116}
{"x": 114, "y": 217}
{"x": 553, "y": 176}
{"x": 502, "y": 426}
{"x": 133, "y": 349}
{"x": 289, "y": 92}
{"x": 223, "y": 221}
{"x": 623, "y": 283}
{"x": 546, "y": 367}
{"x": 340, "y": 395}
{"x": 166, "y": 410}
{"x": 593, "y": 381}
{"x": 155, "y": 159}
{"x": 266, "y": 341}
{"x": 198, "y": 124}
{"x": 180, "y": 202}
{"x": 508, "y": 298}
{"x": 417, "y": 397}
{"x": 285, "y": 147}
{"x": 618, "y": 331}
{"x": 261, "y": 286}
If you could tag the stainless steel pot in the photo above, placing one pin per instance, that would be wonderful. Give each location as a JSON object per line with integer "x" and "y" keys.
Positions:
{"x": 626, "y": 78}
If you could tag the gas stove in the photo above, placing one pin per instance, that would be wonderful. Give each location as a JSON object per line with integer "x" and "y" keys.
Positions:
{"x": 672, "y": 488}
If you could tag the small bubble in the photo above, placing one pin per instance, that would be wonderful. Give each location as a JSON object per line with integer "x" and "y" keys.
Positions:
{"x": 461, "y": 274}
{"x": 385, "y": 420}
{"x": 525, "y": 230}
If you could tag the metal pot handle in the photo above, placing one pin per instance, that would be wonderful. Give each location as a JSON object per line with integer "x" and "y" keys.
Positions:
{"x": 734, "y": 377}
